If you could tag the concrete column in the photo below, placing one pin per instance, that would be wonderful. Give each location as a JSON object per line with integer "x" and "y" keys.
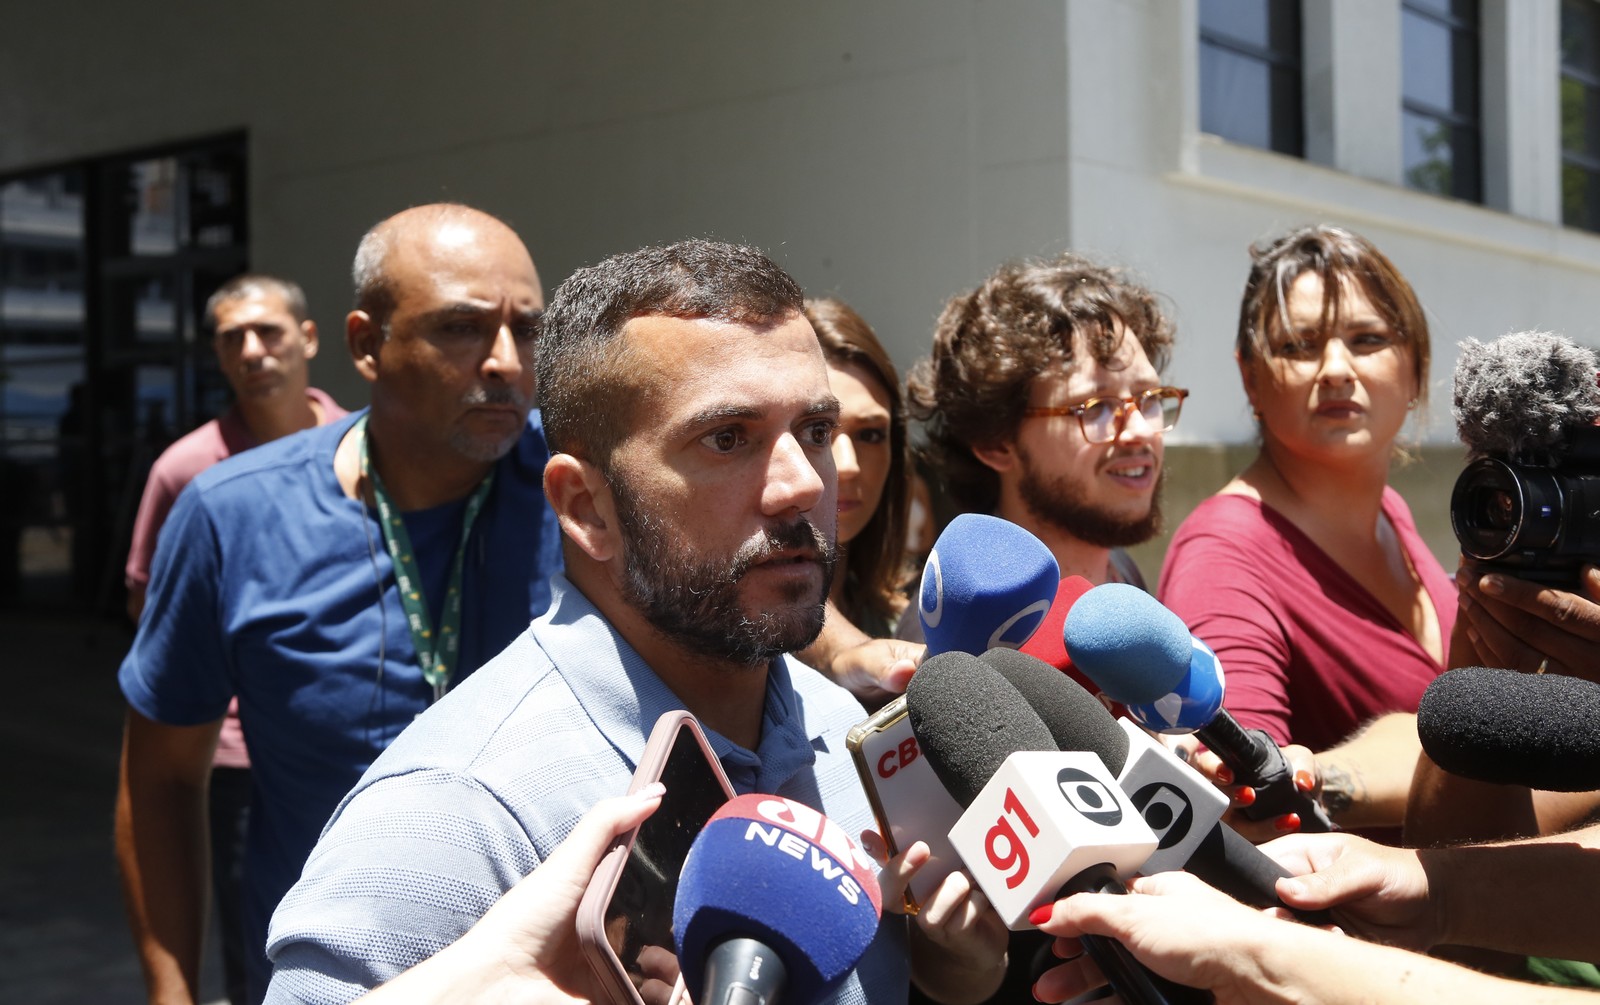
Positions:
{"x": 1352, "y": 86}
{"x": 1521, "y": 53}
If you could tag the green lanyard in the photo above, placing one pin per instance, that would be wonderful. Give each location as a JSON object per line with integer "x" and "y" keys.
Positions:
{"x": 436, "y": 655}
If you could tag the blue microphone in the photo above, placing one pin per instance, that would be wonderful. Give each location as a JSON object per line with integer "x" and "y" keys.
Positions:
{"x": 1143, "y": 655}
{"x": 988, "y": 584}
{"x": 774, "y": 901}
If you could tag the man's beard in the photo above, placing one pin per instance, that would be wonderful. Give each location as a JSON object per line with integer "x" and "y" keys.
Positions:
{"x": 695, "y": 602}
{"x": 478, "y": 448}
{"x": 1058, "y": 501}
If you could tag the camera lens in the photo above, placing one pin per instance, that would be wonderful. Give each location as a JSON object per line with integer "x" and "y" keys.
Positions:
{"x": 1497, "y": 509}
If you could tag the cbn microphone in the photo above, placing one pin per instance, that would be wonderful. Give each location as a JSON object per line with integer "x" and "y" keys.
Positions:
{"x": 1541, "y": 731}
{"x": 775, "y": 902}
{"x": 987, "y": 583}
{"x": 1142, "y": 655}
{"x": 1524, "y": 393}
{"x": 1039, "y": 823}
{"x": 1179, "y": 805}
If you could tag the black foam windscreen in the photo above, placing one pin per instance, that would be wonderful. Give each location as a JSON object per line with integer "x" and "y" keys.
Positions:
{"x": 1075, "y": 718}
{"x": 968, "y": 719}
{"x": 1537, "y": 730}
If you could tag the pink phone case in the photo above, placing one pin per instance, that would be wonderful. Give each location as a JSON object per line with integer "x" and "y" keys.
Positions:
{"x": 597, "y": 896}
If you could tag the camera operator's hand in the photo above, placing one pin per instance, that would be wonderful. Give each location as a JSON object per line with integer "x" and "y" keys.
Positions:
{"x": 1519, "y": 625}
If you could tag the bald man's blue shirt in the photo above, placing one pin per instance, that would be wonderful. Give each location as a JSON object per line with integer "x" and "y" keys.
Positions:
{"x": 272, "y": 584}
{"x": 486, "y": 784}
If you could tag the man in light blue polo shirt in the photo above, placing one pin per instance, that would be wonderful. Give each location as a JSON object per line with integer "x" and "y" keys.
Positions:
{"x": 687, "y": 407}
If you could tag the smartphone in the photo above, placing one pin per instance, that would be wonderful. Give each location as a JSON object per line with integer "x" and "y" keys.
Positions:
{"x": 908, "y": 800}
{"x": 625, "y": 917}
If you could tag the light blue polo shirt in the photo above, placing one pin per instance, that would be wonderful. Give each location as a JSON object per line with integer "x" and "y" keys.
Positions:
{"x": 484, "y": 786}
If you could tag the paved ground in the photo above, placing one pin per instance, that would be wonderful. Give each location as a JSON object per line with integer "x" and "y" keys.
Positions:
{"x": 62, "y": 934}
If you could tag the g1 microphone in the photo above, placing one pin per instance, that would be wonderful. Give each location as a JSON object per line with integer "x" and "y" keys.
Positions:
{"x": 1537, "y": 730}
{"x": 1143, "y": 655}
{"x": 1182, "y": 808}
{"x": 774, "y": 900}
{"x": 1039, "y": 823}
{"x": 987, "y": 583}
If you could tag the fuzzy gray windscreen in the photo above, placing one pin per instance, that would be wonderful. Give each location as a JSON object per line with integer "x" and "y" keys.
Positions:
{"x": 1523, "y": 391}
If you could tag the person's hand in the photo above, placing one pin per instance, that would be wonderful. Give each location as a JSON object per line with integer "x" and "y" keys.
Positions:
{"x": 878, "y": 669}
{"x": 1519, "y": 625}
{"x": 525, "y": 948}
{"x": 1172, "y": 922}
{"x": 1307, "y": 779}
{"x": 1375, "y": 891}
{"x": 956, "y": 918}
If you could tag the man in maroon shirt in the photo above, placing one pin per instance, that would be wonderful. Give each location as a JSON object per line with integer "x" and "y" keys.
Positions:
{"x": 263, "y": 340}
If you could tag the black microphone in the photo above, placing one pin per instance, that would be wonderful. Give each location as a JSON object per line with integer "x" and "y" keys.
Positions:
{"x": 1524, "y": 394}
{"x": 1039, "y": 823}
{"x": 1182, "y": 808}
{"x": 1541, "y": 731}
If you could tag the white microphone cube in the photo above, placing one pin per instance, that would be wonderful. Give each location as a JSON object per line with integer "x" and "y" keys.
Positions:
{"x": 1177, "y": 803}
{"x": 1045, "y": 817}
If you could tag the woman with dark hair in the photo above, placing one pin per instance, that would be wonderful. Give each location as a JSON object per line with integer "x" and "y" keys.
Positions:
{"x": 1306, "y": 573}
{"x": 869, "y": 453}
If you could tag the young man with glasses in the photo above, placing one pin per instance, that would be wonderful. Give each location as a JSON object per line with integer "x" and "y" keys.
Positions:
{"x": 1044, "y": 404}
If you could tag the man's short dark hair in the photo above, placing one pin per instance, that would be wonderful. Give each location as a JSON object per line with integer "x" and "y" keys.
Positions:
{"x": 587, "y": 377}
{"x": 992, "y": 343}
{"x": 253, "y": 284}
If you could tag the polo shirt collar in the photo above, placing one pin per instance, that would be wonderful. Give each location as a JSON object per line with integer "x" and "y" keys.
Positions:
{"x": 623, "y": 697}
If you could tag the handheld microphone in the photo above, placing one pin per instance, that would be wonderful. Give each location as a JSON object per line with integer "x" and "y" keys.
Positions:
{"x": 775, "y": 900}
{"x": 1182, "y": 808}
{"x": 1541, "y": 731}
{"x": 987, "y": 583}
{"x": 1039, "y": 823}
{"x": 1524, "y": 394}
{"x": 1142, "y": 655}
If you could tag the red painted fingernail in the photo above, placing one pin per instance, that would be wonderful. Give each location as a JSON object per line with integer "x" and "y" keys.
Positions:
{"x": 1288, "y": 822}
{"x": 1303, "y": 781}
{"x": 1245, "y": 796}
{"x": 1041, "y": 914}
{"x": 1224, "y": 775}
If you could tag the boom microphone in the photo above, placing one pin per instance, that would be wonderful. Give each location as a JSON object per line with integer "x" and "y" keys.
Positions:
{"x": 987, "y": 583}
{"x": 1523, "y": 394}
{"x": 1143, "y": 655}
{"x": 1537, "y": 730}
{"x": 774, "y": 900}
{"x": 1039, "y": 823}
{"x": 1179, "y": 805}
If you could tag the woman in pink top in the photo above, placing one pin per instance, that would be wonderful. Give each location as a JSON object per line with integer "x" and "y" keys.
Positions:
{"x": 1305, "y": 573}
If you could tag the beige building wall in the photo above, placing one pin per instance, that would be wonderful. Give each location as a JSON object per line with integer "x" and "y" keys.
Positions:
{"x": 890, "y": 153}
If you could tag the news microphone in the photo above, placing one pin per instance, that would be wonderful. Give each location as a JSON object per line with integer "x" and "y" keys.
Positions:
{"x": 1039, "y": 823}
{"x": 1523, "y": 394}
{"x": 774, "y": 901}
{"x": 1143, "y": 655}
{"x": 1179, "y": 805}
{"x": 987, "y": 583}
{"x": 1541, "y": 731}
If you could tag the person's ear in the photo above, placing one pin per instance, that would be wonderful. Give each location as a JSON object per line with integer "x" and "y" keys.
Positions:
{"x": 581, "y": 498}
{"x": 364, "y": 337}
{"x": 1000, "y": 456}
{"x": 308, "y": 332}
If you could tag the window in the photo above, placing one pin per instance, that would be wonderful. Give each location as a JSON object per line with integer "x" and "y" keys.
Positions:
{"x": 1440, "y": 112}
{"x": 1250, "y": 70}
{"x": 1580, "y": 114}
{"x": 104, "y": 270}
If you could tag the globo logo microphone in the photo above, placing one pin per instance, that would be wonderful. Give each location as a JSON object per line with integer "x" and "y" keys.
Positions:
{"x": 988, "y": 583}
{"x": 777, "y": 871}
